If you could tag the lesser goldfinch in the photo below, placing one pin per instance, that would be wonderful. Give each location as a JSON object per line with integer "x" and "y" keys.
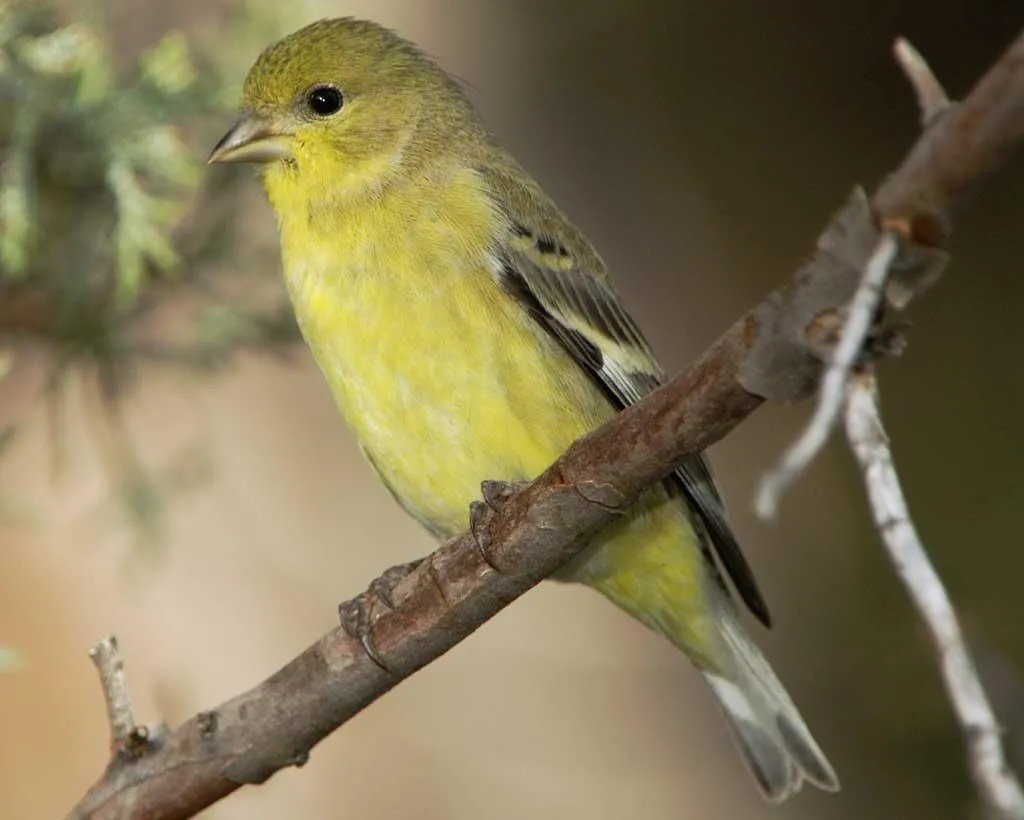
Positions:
{"x": 469, "y": 331}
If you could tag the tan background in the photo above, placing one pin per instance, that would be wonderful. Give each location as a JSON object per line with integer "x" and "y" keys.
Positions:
{"x": 702, "y": 146}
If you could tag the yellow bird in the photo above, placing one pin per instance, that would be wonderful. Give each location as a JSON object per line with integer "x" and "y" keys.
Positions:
{"x": 469, "y": 331}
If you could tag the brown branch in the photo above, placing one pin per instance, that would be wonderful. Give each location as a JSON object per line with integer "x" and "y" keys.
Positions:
{"x": 774, "y": 352}
{"x": 971, "y": 139}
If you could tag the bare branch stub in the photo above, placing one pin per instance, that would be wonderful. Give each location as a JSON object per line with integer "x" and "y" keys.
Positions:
{"x": 539, "y": 528}
{"x": 931, "y": 96}
{"x": 106, "y": 657}
{"x": 127, "y": 738}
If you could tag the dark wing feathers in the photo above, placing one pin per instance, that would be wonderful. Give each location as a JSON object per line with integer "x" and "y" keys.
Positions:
{"x": 568, "y": 293}
{"x": 579, "y": 346}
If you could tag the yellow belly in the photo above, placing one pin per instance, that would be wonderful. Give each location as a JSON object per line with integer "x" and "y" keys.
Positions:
{"x": 446, "y": 382}
{"x": 445, "y": 385}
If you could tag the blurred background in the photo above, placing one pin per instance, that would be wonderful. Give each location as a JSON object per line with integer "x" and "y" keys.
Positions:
{"x": 172, "y": 468}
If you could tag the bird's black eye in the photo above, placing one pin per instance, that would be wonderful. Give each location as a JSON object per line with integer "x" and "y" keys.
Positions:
{"x": 325, "y": 100}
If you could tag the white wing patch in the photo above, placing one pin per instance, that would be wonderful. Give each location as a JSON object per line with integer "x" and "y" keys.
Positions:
{"x": 549, "y": 267}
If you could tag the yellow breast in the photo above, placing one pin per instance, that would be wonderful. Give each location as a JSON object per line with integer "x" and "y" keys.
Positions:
{"x": 445, "y": 380}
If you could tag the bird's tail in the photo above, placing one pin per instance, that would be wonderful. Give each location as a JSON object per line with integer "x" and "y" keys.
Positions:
{"x": 773, "y": 738}
{"x": 643, "y": 567}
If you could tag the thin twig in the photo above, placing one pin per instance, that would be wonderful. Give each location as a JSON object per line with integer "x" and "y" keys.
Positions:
{"x": 931, "y": 96}
{"x": 996, "y": 782}
{"x": 860, "y": 317}
{"x": 106, "y": 657}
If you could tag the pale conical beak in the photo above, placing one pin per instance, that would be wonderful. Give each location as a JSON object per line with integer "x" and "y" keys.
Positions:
{"x": 253, "y": 139}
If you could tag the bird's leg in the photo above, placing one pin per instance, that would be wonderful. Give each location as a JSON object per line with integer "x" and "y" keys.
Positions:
{"x": 495, "y": 494}
{"x": 357, "y": 616}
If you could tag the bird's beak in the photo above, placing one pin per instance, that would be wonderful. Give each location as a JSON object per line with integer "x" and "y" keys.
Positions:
{"x": 254, "y": 138}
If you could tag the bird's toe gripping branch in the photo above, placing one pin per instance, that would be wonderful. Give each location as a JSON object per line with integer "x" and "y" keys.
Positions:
{"x": 358, "y": 615}
{"x": 481, "y": 513}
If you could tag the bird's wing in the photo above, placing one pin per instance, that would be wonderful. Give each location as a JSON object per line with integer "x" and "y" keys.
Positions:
{"x": 556, "y": 275}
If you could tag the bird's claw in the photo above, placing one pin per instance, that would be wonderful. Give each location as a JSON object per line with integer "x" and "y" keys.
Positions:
{"x": 479, "y": 519}
{"x": 357, "y": 616}
{"x": 384, "y": 586}
{"x": 495, "y": 494}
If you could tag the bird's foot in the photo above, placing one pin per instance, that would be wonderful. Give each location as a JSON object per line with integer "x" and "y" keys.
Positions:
{"x": 384, "y": 586}
{"x": 495, "y": 494}
{"x": 357, "y": 616}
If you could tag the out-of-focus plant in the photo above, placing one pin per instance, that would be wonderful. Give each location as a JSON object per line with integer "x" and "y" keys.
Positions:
{"x": 10, "y": 659}
{"x": 105, "y": 218}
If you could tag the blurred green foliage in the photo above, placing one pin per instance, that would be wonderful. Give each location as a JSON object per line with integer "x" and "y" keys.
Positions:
{"x": 10, "y": 660}
{"x": 106, "y": 217}
{"x": 95, "y": 177}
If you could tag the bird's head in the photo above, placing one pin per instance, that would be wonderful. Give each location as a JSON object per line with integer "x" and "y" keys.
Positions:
{"x": 344, "y": 106}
